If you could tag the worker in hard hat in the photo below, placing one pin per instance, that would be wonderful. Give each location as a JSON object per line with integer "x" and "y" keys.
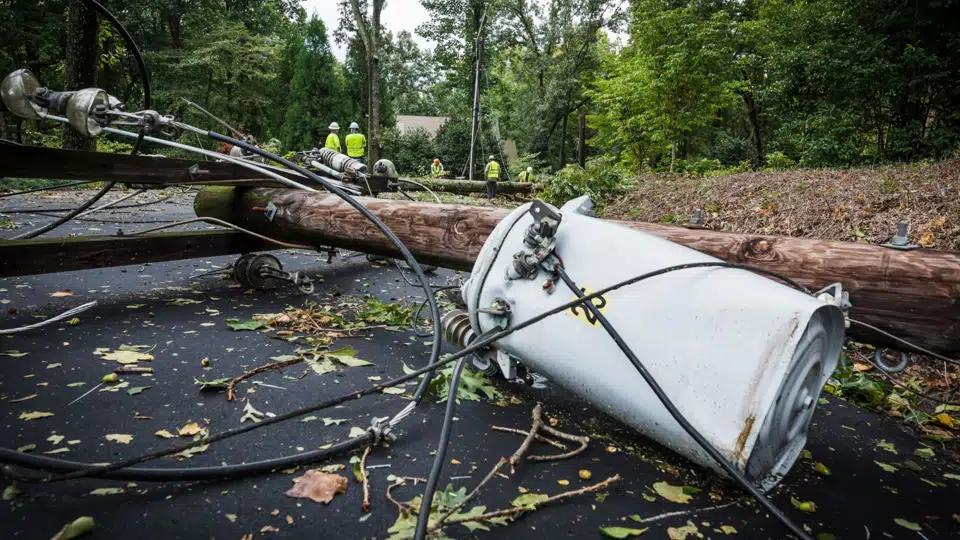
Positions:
{"x": 356, "y": 143}
{"x": 437, "y": 168}
{"x": 527, "y": 175}
{"x": 333, "y": 139}
{"x": 492, "y": 172}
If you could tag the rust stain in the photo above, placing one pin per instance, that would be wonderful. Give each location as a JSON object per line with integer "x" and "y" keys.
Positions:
{"x": 744, "y": 435}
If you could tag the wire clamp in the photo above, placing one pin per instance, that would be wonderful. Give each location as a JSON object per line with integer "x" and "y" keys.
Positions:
{"x": 836, "y": 296}
{"x": 381, "y": 429}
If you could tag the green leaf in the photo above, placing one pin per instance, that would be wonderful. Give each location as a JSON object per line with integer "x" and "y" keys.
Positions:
{"x": 13, "y": 353}
{"x": 10, "y": 492}
{"x": 137, "y": 389}
{"x": 34, "y": 415}
{"x": 76, "y": 528}
{"x": 884, "y": 445}
{"x": 727, "y": 529}
{"x": 214, "y": 385}
{"x": 250, "y": 413}
{"x": 952, "y": 476}
{"x": 924, "y": 452}
{"x": 27, "y": 448}
{"x": 886, "y": 467}
{"x": 394, "y": 390}
{"x": 181, "y": 302}
{"x": 822, "y": 469}
{"x": 907, "y": 524}
{"x": 121, "y": 438}
{"x": 334, "y": 421}
{"x": 127, "y": 356}
{"x": 107, "y": 491}
{"x": 529, "y": 499}
{"x": 803, "y": 506}
{"x": 621, "y": 532}
{"x": 310, "y": 418}
{"x": 320, "y": 367}
{"x": 676, "y": 494}
{"x": 357, "y": 432}
{"x": 347, "y": 357}
{"x": 238, "y": 325}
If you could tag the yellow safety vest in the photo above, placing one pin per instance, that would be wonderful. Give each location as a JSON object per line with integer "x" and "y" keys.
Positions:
{"x": 525, "y": 176}
{"x": 333, "y": 142}
{"x": 356, "y": 145}
{"x": 493, "y": 170}
{"x": 437, "y": 169}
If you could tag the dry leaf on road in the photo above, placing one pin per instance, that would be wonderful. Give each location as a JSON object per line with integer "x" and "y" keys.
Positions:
{"x": 61, "y": 294}
{"x": 318, "y": 486}
{"x": 190, "y": 429}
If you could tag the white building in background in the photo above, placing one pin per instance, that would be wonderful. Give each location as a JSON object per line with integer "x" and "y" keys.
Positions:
{"x": 430, "y": 124}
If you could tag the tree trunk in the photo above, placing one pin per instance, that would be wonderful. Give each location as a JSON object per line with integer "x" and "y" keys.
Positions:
{"x": 82, "y": 57}
{"x": 673, "y": 155}
{"x": 754, "y": 115}
{"x": 913, "y": 294}
{"x": 582, "y": 141}
{"x": 563, "y": 141}
{"x": 371, "y": 42}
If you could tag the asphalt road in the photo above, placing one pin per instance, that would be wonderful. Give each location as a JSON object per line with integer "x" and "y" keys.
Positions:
{"x": 137, "y": 306}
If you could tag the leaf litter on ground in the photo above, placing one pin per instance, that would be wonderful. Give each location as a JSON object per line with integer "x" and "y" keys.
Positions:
{"x": 318, "y": 486}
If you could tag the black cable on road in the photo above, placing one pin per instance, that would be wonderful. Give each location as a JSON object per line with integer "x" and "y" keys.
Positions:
{"x": 48, "y": 188}
{"x": 423, "y": 517}
{"x": 221, "y": 472}
{"x": 714, "y": 454}
{"x": 58, "y": 222}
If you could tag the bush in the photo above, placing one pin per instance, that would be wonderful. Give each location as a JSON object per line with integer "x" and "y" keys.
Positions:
{"x": 602, "y": 180}
{"x": 778, "y": 161}
{"x": 412, "y": 152}
{"x": 540, "y": 168}
{"x": 705, "y": 166}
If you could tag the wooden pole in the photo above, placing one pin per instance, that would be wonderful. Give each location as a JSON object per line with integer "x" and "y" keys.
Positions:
{"x": 912, "y": 294}
{"x": 464, "y": 187}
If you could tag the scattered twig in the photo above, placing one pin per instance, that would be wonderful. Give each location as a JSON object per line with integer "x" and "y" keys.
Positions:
{"x": 687, "y": 512}
{"x": 366, "y": 480}
{"x": 583, "y": 441}
{"x": 538, "y": 437}
{"x": 537, "y": 424}
{"x": 24, "y": 398}
{"x": 897, "y": 383}
{"x": 514, "y": 512}
{"x": 85, "y": 395}
{"x": 404, "y": 508}
{"x": 476, "y": 491}
{"x": 133, "y": 369}
{"x": 275, "y": 365}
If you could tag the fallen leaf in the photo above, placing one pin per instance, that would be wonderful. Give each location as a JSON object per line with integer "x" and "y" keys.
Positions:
{"x": 951, "y": 476}
{"x": 681, "y": 533}
{"x": 926, "y": 240}
{"x": 585, "y": 474}
{"x": 119, "y": 438}
{"x": 238, "y": 325}
{"x": 529, "y": 499}
{"x": 394, "y": 390}
{"x": 269, "y": 528}
{"x": 621, "y": 532}
{"x": 907, "y": 524}
{"x": 127, "y": 357}
{"x": 190, "y": 452}
{"x": 275, "y": 512}
{"x": 333, "y": 468}
{"x": 51, "y": 366}
{"x": 24, "y": 398}
{"x": 231, "y": 517}
{"x": 457, "y": 462}
{"x": 135, "y": 306}
{"x": 116, "y": 387}
{"x": 34, "y": 415}
{"x": 10, "y": 492}
{"x": 319, "y": 365}
{"x": 884, "y": 445}
{"x": 803, "y": 506}
{"x": 821, "y": 468}
{"x": 183, "y": 302}
{"x": 563, "y": 482}
{"x": 672, "y": 493}
{"x": 74, "y": 321}
{"x": 648, "y": 497}
{"x": 357, "y": 432}
{"x": 61, "y": 294}
{"x": 946, "y": 420}
{"x": 61, "y": 450}
{"x": 862, "y": 367}
{"x": 75, "y": 384}
{"x": 289, "y": 519}
{"x": 250, "y": 413}
{"x": 347, "y": 357}
{"x": 165, "y": 434}
{"x": 13, "y": 353}
{"x": 190, "y": 429}
{"x": 925, "y": 453}
{"x": 27, "y": 448}
{"x": 727, "y": 529}
{"x": 107, "y": 491}
{"x": 886, "y": 467}
{"x": 55, "y": 439}
{"x": 330, "y": 421}
{"x": 137, "y": 389}
{"x": 318, "y": 486}
{"x": 76, "y": 528}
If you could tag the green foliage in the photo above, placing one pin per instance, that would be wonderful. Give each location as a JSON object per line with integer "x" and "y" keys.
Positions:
{"x": 412, "y": 152}
{"x": 453, "y": 145}
{"x": 377, "y": 311}
{"x": 778, "y": 161}
{"x": 602, "y": 181}
{"x": 527, "y": 160}
{"x": 473, "y": 386}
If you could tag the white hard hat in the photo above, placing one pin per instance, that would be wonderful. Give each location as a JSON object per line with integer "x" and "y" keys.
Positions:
{"x": 334, "y": 125}
{"x": 491, "y": 158}
{"x": 354, "y": 125}
{"x": 529, "y": 169}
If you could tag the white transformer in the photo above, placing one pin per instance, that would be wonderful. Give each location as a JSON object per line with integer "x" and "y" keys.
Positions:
{"x": 744, "y": 358}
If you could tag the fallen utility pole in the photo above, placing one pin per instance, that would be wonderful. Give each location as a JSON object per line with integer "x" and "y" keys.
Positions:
{"x": 463, "y": 187}
{"x": 913, "y": 294}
